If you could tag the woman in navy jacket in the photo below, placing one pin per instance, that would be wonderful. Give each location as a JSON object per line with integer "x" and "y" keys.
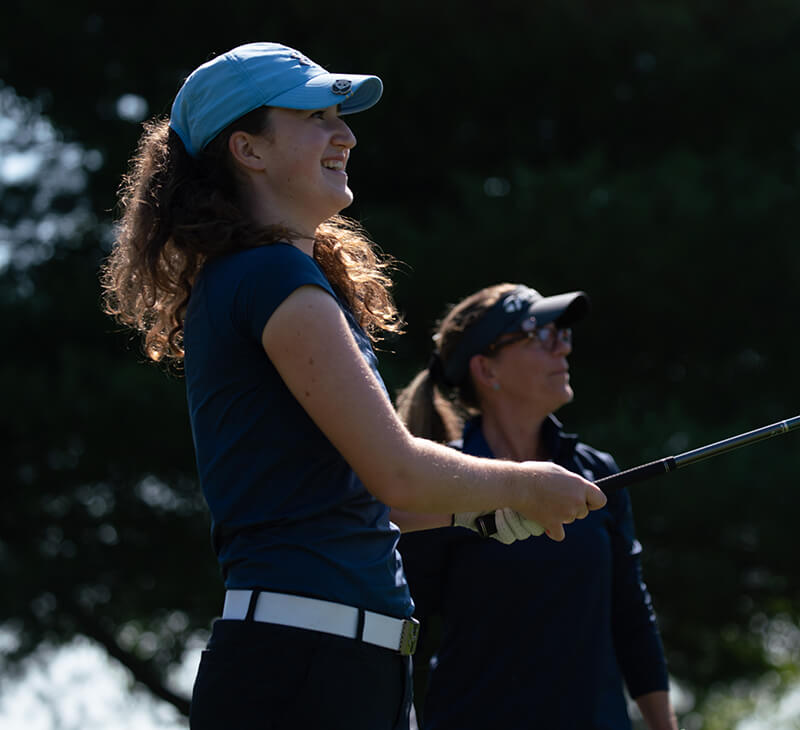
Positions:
{"x": 537, "y": 634}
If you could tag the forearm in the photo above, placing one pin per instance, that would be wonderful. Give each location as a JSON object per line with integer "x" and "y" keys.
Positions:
{"x": 657, "y": 711}
{"x": 423, "y": 477}
{"x": 415, "y": 521}
{"x": 309, "y": 343}
{"x": 439, "y": 481}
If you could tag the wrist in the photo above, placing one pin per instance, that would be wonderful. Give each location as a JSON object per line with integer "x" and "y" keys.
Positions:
{"x": 523, "y": 488}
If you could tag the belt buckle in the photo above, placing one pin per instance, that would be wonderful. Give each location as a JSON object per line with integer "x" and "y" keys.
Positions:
{"x": 408, "y": 636}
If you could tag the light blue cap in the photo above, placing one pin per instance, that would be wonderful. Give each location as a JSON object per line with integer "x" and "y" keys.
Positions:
{"x": 261, "y": 74}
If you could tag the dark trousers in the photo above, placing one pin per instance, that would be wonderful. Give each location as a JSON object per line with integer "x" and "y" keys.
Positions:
{"x": 266, "y": 677}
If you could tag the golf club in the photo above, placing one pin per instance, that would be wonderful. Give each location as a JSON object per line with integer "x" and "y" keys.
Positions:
{"x": 486, "y": 523}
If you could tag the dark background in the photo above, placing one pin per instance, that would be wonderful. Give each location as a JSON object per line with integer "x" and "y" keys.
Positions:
{"x": 645, "y": 152}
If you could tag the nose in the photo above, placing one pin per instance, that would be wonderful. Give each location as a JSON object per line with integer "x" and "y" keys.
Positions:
{"x": 342, "y": 135}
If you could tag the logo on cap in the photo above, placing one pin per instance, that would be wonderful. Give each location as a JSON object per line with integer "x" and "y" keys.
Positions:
{"x": 513, "y": 303}
{"x": 341, "y": 86}
{"x": 517, "y": 299}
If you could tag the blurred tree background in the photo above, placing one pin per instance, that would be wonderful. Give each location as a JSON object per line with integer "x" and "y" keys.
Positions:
{"x": 644, "y": 151}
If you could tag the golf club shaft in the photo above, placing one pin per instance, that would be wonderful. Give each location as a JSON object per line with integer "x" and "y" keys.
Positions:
{"x": 486, "y": 523}
{"x": 670, "y": 463}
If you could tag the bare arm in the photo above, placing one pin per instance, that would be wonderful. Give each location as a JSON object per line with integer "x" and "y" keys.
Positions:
{"x": 413, "y": 521}
{"x": 657, "y": 711}
{"x": 308, "y": 341}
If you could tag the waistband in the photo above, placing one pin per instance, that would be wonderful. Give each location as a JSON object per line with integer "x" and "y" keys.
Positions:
{"x": 315, "y": 614}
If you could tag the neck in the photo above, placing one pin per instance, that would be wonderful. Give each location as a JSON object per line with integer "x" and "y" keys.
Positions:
{"x": 306, "y": 245}
{"x": 515, "y": 437}
{"x": 302, "y": 225}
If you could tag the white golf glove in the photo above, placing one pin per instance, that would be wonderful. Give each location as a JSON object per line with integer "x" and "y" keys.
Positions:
{"x": 511, "y": 525}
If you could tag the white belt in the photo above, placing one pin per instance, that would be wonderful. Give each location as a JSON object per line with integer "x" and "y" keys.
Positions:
{"x": 331, "y": 618}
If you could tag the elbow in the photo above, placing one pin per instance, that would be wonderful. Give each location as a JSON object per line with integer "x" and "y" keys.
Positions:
{"x": 394, "y": 487}
{"x": 394, "y": 481}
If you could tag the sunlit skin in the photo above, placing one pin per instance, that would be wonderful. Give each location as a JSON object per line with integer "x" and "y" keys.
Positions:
{"x": 294, "y": 176}
{"x": 518, "y": 387}
{"x": 296, "y": 172}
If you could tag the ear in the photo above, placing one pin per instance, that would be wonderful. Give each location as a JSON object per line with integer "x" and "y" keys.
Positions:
{"x": 481, "y": 368}
{"x": 246, "y": 150}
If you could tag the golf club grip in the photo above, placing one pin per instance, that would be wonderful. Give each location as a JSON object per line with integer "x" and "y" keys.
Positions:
{"x": 487, "y": 526}
{"x": 636, "y": 474}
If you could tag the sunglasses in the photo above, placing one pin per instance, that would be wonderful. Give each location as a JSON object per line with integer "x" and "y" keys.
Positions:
{"x": 545, "y": 338}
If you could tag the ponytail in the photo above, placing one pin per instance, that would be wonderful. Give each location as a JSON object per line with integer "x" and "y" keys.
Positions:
{"x": 426, "y": 412}
{"x": 430, "y": 405}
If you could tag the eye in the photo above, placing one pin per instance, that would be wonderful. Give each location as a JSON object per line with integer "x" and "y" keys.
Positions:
{"x": 318, "y": 114}
{"x": 547, "y": 334}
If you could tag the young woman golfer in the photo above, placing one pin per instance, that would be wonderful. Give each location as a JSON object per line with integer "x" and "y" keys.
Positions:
{"x": 230, "y": 256}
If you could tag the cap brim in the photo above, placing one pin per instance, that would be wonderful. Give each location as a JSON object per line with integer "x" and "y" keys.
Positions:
{"x": 317, "y": 93}
{"x": 563, "y": 309}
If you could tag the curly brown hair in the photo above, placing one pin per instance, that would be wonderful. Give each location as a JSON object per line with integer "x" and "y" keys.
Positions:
{"x": 177, "y": 212}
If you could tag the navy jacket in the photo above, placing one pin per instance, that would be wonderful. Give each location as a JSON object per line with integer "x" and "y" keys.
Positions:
{"x": 537, "y": 634}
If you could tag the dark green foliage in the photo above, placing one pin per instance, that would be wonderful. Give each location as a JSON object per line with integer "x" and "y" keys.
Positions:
{"x": 645, "y": 152}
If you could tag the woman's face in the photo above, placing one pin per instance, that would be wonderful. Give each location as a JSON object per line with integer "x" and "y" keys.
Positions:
{"x": 306, "y": 154}
{"x": 534, "y": 372}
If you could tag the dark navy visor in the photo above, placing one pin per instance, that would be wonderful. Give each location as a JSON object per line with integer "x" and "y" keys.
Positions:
{"x": 522, "y": 304}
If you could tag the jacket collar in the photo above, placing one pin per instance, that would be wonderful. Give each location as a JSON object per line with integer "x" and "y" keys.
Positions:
{"x": 558, "y": 443}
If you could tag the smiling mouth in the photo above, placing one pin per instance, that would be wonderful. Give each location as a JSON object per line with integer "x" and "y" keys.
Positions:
{"x": 333, "y": 165}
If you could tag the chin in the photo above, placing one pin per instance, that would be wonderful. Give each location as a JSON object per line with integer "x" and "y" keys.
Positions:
{"x": 344, "y": 201}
